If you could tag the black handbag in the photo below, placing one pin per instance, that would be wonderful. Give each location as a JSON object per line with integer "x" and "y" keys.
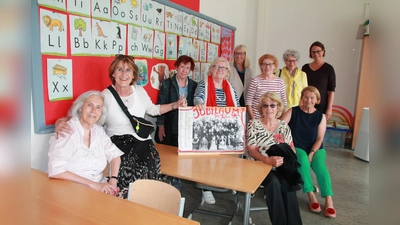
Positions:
{"x": 142, "y": 127}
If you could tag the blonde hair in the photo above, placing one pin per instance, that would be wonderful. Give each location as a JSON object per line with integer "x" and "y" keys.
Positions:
{"x": 274, "y": 97}
{"x": 311, "y": 89}
{"x": 246, "y": 60}
{"x": 220, "y": 59}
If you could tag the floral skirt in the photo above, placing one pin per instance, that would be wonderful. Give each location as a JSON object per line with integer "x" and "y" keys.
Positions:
{"x": 139, "y": 161}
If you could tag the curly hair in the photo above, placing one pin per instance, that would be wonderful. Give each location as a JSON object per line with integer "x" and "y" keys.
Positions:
{"x": 291, "y": 52}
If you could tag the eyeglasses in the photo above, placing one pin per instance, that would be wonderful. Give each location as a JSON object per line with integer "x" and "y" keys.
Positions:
{"x": 315, "y": 52}
{"x": 223, "y": 68}
{"x": 122, "y": 70}
{"x": 267, "y": 64}
{"x": 270, "y": 105}
{"x": 291, "y": 61}
{"x": 240, "y": 53}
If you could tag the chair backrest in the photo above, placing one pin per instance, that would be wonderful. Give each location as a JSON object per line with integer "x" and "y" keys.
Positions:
{"x": 155, "y": 194}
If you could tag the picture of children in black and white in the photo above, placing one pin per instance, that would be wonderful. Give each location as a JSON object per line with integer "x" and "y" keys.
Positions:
{"x": 218, "y": 134}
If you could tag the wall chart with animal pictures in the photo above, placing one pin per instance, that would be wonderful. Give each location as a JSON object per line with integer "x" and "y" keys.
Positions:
{"x": 74, "y": 42}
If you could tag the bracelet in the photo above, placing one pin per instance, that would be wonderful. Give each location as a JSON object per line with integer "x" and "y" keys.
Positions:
{"x": 173, "y": 105}
{"x": 109, "y": 178}
{"x": 313, "y": 151}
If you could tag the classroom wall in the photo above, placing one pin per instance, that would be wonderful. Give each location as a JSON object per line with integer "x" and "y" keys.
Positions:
{"x": 272, "y": 26}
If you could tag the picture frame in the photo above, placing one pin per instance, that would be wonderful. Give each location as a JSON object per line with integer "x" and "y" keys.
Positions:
{"x": 215, "y": 130}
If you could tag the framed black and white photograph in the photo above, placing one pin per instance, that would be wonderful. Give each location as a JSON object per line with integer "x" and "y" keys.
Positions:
{"x": 214, "y": 130}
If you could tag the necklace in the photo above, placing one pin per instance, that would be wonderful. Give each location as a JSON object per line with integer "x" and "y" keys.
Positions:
{"x": 270, "y": 127}
{"x": 87, "y": 138}
{"x": 223, "y": 99}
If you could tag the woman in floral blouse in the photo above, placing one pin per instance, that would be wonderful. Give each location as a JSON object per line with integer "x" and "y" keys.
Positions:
{"x": 261, "y": 135}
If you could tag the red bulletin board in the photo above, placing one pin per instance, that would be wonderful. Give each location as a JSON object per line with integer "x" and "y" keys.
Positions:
{"x": 88, "y": 72}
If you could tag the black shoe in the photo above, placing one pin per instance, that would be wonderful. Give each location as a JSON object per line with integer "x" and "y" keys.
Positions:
{"x": 176, "y": 182}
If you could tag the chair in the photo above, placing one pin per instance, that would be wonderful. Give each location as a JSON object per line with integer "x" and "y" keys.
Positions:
{"x": 215, "y": 189}
{"x": 158, "y": 195}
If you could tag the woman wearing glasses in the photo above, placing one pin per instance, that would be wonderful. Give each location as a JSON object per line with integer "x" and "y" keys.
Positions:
{"x": 322, "y": 76}
{"x": 215, "y": 90}
{"x": 265, "y": 82}
{"x": 263, "y": 135}
{"x": 241, "y": 73}
{"x": 308, "y": 127}
{"x": 140, "y": 159}
{"x": 295, "y": 79}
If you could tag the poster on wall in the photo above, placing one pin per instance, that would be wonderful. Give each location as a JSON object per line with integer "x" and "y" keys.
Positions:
{"x": 119, "y": 11}
{"x": 186, "y": 24}
{"x": 214, "y": 130}
{"x": 80, "y": 35}
{"x": 147, "y": 14}
{"x": 101, "y": 9}
{"x": 59, "y": 79}
{"x": 227, "y": 42}
{"x": 158, "y": 73}
{"x": 81, "y": 8}
{"x": 158, "y": 17}
{"x": 59, "y": 5}
{"x": 118, "y": 45}
{"x": 91, "y": 33}
{"x": 53, "y": 33}
{"x": 215, "y": 33}
{"x": 134, "y": 13}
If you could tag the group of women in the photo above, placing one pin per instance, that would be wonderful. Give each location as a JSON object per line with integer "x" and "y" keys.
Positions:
{"x": 267, "y": 98}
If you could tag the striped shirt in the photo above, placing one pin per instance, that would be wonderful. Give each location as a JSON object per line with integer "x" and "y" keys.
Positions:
{"x": 260, "y": 86}
{"x": 199, "y": 95}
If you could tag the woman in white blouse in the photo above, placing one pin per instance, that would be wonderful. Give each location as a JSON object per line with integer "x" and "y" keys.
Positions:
{"x": 82, "y": 155}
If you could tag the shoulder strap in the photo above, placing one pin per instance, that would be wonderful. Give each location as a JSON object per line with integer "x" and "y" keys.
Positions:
{"x": 121, "y": 104}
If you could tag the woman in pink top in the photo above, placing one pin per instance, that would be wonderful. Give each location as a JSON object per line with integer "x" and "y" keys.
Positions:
{"x": 263, "y": 83}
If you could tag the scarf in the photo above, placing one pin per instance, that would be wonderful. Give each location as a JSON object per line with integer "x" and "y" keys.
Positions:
{"x": 212, "y": 96}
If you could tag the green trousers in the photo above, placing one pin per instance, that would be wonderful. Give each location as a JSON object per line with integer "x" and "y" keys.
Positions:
{"x": 319, "y": 168}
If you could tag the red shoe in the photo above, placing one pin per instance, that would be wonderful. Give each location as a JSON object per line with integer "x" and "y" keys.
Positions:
{"x": 315, "y": 207}
{"x": 330, "y": 212}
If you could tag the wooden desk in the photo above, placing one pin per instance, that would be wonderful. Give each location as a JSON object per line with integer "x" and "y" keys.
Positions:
{"x": 64, "y": 202}
{"x": 222, "y": 171}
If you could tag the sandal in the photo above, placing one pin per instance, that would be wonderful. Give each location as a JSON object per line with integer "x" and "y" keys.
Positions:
{"x": 330, "y": 212}
{"x": 315, "y": 207}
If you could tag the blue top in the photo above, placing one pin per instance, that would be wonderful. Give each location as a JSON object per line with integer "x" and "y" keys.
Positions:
{"x": 304, "y": 128}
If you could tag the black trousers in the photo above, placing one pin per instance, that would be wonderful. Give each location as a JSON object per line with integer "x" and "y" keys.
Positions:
{"x": 283, "y": 207}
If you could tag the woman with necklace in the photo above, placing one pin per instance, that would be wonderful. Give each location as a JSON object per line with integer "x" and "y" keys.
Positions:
{"x": 83, "y": 155}
{"x": 215, "y": 90}
{"x": 308, "y": 127}
{"x": 295, "y": 79}
{"x": 241, "y": 73}
{"x": 263, "y": 83}
{"x": 141, "y": 159}
{"x": 171, "y": 90}
{"x": 321, "y": 75}
{"x": 263, "y": 135}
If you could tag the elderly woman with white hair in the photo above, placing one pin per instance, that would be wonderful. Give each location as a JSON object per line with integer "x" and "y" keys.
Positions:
{"x": 295, "y": 79}
{"x": 82, "y": 156}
